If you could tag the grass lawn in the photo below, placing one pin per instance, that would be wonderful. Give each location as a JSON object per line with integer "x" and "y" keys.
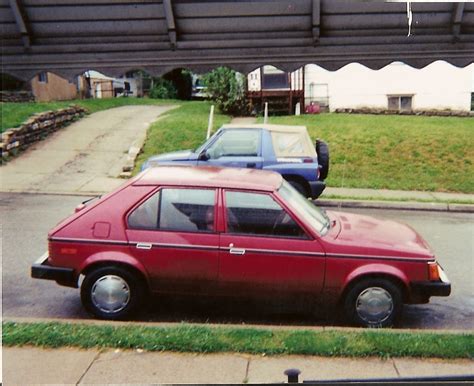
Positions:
{"x": 395, "y": 152}
{"x": 206, "y": 339}
{"x": 14, "y": 114}
{"x": 367, "y": 151}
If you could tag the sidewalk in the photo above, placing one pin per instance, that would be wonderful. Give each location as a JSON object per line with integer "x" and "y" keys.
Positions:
{"x": 396, "y": 199}
{"x": 31, "y": 365}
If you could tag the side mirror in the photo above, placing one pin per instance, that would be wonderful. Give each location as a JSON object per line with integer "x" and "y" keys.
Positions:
{"x": 204, "y": 156}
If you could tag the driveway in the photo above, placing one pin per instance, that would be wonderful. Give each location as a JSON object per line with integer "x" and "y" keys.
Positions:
{"x": 83, "y": 158}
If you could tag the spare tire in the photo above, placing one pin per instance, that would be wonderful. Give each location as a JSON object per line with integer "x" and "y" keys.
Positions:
{"x": 323, "y": 158}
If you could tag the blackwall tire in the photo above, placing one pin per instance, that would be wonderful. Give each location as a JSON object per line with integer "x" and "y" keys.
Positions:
{"x": 112, "y": 293}
{"x": 374, "y": 303}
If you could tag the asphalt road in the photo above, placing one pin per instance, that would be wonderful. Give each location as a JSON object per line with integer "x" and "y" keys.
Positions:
{"x": 28, "y": 217}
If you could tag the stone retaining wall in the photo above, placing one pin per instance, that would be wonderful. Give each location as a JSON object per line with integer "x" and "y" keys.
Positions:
{"x": 441, "y": 113}
{"x": 16, "y": 96}
{"x": 36, "y": 128}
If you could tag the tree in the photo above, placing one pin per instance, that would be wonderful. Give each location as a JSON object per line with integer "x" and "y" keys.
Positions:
{"x": 162, "y": 89}
{"x": 225, "y": 87}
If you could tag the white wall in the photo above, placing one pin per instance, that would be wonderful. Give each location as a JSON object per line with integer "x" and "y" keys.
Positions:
{"x": 437, "y": 86}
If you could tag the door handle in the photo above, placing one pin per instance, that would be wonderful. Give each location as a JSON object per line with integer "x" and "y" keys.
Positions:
{"x": 143, "y": 246}
{"x": 236, "y": 251}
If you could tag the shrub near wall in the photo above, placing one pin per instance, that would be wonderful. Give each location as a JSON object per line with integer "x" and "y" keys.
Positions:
{"x": 36, "y": 128}
{"x": 376, "y": 111}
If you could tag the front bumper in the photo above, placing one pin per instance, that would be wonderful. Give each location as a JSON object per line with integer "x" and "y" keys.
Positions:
{"x": 317, "y": 187}
{"x": 426, "y": 289}
{"x": 63, "y": 276}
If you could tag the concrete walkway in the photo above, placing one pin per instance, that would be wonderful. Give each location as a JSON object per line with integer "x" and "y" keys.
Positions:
{"x": 397, "y": 200}
{"x": 31, "y": 365}
{"x": 84, "y": 158}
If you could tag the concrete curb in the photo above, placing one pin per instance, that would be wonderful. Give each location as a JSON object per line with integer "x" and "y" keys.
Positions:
{"x": 392, "y": 205}
{"x": 273, "y": 327}
{"x": 328, "y": 203}
{"x": 136, "y": 148}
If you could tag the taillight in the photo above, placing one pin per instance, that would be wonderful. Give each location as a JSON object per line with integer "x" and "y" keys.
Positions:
{"x": 433, "y": 272}
{"x": 308, "y": 160}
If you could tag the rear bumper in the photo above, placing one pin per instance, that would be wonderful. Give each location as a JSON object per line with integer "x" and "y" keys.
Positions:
{"x": 63, "y": 276}
{"x": 316, "y": 187}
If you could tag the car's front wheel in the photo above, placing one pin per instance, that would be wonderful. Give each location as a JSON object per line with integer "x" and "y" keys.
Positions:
{"x": 374, "y": 303}
{"x": 112, "y": 293}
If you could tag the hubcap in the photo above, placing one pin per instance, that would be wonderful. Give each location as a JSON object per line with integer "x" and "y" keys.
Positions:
{"x": 110, "y": 294}
{"x": 374, "y": 305}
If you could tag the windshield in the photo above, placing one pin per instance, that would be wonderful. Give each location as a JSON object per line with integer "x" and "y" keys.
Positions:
{"x": 208, "y": 141}
{"x": 313, "y": 215}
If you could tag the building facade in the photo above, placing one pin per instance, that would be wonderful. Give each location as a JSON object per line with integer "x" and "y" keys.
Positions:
{"x": 397, "y": 86}
{"x": 47, "y": 87}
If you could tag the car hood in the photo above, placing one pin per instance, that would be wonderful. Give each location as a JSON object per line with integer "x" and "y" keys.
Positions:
{"x": 182, "y": 155}
{"x": 365, "y": 235}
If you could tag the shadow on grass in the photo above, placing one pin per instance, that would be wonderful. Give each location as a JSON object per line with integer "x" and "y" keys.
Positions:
{"x": 267, "y": 312}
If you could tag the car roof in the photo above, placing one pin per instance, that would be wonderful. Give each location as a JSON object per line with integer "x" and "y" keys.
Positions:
{"x": 278, "y": 128}
{"x": 209, "y": 176}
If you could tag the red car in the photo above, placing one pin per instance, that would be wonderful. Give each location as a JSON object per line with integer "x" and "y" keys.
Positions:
{"x": 225, "y": 231}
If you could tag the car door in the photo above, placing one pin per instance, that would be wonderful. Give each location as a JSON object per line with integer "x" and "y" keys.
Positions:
{"x": 235, "y": 148}
{"x": 264, "y": 250}
{"x": 172, "y": 234}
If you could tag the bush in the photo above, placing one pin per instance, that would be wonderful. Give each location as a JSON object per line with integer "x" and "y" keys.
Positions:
{"x": 225, "y": 87}
{"x": 162, "y": 89}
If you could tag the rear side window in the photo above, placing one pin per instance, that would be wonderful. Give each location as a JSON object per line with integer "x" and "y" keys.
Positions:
{"x": 294, "y": 144}
{"x": 258, "y": 214}
{"x": 146, "y": 215}
{"x": 186, "y": 210}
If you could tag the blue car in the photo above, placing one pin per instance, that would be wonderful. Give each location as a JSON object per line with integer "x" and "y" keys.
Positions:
{"x": 287, "y": 150}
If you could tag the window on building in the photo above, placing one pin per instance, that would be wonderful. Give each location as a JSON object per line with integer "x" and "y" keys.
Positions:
{"x": 43, "y": 77}
{"x": 400, "y": 102}
{"x": 273, "y": 78}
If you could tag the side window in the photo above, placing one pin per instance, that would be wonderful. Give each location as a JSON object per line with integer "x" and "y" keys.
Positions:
{"x": 146, "y": 215}
{"x": 258, "y": 214}
{"x": 236, "y": 143}
{"x": 187, "y": 210}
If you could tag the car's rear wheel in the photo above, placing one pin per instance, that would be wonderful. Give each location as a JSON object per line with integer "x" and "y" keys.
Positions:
{"x": 112, "y": 293}
{"x": 374, "y": 303}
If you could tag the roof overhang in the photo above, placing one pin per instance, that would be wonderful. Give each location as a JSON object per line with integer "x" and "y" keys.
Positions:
{"x": 68, "y": 37}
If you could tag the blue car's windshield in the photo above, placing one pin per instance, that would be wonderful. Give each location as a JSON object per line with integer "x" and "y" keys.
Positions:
{"x": 206, "y": 144}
